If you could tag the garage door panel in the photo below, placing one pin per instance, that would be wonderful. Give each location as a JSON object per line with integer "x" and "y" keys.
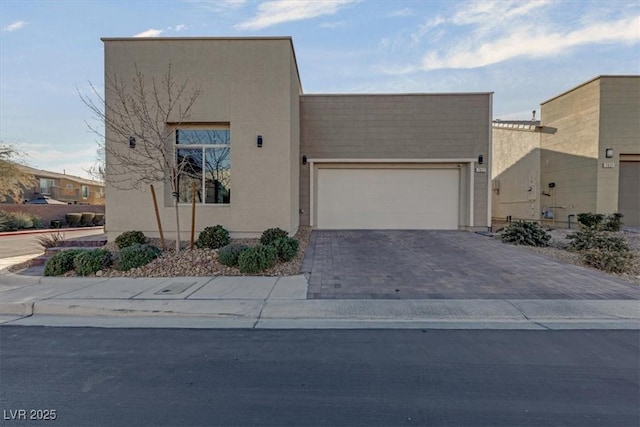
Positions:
{"x": 629, "y": 192}
{"x": 388, "y": 198}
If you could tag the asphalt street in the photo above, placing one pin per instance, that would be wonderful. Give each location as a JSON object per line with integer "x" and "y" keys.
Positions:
{"x": 12, "y": 245}
{"x": 186, "y": 377}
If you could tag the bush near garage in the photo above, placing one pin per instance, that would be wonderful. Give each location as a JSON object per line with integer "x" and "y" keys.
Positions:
{"x": 213, "y": 238}
{"x": 257, "y": 259}
{"x": 89, "y": 262}
{"x": 590, "y": 220}
{"x": 526, "y": 233}
{"x": 129, "y": 238}
{"x": 602, "y": 250}
{"x": 286, "y": 248}
{"x": 228, "y": 255}
{"x": 61, "y": 262}
{"x": 272, "y": 234}
{"x": 136, "y": 255}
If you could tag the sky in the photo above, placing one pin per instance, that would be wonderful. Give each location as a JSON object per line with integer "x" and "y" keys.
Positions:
{"x": 526, "y": 52}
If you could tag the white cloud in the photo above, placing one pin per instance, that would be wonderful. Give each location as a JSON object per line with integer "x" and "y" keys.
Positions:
{"x": 179, "y": 27}
{"x": 532, "y": 43}
{"x": 275, "y": 12}
{"x": 151, "y": 32}
{"x": 402, "y": 12}
{"x": 18, "y": 25}
{"x": 218, "y": 6}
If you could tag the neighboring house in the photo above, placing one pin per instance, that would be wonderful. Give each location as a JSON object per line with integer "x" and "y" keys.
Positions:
{"x": 278, "y": 158}
{"x": 583, "y": 156}
{"x": 65, "y": 188}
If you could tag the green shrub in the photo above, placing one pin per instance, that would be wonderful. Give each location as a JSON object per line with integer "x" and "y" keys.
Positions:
{"x": 8, "y": 221}
{"x": 613, "y": 222}
{"x": 589, "y": 219}
{"x": 136, "y": 255}
{"x": 607, "y": 260}
{"x": 286, "y": 248}
{"x": 272, "y": 234}
{"x": 98, "y": 219}
{"x": 257, "y": 259}
{"x": 228, "y": 255}
{"x": 73, "y": 219}
{"x": 129, "y": 238}
{"x": 13, "y": 221}
{"x": 87, "y": 218}
{"x": 213, "y": 238}
{"x": 61, "y": 262}
{"x": 526, "y": 233}
{"x": 91, "y": 261}
{"x": 591, "y": 238}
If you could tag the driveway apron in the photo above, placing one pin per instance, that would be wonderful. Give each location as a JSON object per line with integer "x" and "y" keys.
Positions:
{"x": 427, "y": 264}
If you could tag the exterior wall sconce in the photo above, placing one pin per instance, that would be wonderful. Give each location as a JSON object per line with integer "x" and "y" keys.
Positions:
{"x": 259, "y": 141}
{"x": 480, "y": 159}
{"x": 132, "y": 142}
{"x": 304, "y": 159}
{"x": 608, "y": 153}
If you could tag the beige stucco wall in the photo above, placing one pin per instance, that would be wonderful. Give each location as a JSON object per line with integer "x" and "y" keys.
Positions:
{"x": 620, "y": 130}
{"x": 424, "y": 126}
{"x": 569, "y": 157}
{"x": 599, "y": 114}
{"x": 251, "y": 84}
{"x": 516, "y": 174}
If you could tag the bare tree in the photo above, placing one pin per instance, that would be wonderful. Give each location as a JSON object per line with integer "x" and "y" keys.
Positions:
{"x": 139, "y": 119}
{"x": 13, "y": 180}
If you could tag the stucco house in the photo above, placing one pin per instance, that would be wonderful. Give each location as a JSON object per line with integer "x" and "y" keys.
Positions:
{"x": 285, "y": 159}
{"x": 70, "y": 189}
{"x": 582, "y": 156}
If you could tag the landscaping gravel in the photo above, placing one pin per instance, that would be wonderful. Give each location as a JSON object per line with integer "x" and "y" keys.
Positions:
{"x": 204, "y": 262}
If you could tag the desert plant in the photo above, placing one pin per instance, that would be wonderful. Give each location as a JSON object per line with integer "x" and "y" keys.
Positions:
{"x": 73, "y": 219}
{"x": 272, "y": 234}
{"x": 87, "y": 218}
{"x": 61, "y": 262}
{"x": 136, "y": 255}
{"x": 129, "y": 238}
{"x": 257, "y": 259}
{"x": 50, "y": 240}
{"x": 228, "y": 255}
{"x": 90, "y": 261}
{"x": 613, "y": 222}
{"x": 8, "y": 221}
{"x": 589, "y": 219}
{"x": 607, "y": 260}
{"x": 286, "y": 248}
{"x": 12, "y": 221}
{"x": 213, "y": 238}
{"x": 590, "y": 238}
{"x": 55, "y": 223}
{"x": 525, "y": 233}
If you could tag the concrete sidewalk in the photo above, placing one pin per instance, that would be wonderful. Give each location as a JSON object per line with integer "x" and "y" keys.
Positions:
{"x": 277, "y": 302}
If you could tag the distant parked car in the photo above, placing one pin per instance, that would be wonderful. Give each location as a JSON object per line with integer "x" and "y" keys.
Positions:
{"x": 44, "y": 200}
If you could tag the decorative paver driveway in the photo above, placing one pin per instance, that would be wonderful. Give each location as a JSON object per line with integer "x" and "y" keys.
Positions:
{"x": 399, "y": 264}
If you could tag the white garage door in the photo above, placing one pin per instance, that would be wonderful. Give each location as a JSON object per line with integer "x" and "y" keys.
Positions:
{"x": 388, "y": 199}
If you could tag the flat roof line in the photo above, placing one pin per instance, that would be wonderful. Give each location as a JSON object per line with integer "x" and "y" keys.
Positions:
{"x": 309, "y": 95}
{"x": 109, "y": 39}
{"x": 590, "y": 81}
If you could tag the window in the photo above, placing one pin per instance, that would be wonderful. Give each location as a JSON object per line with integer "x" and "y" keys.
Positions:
{"x": 203, "y": 157}
{"x": 85, "y": 191}
{"x": 45, "y": 185}
{"x": 69, "y": 186}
